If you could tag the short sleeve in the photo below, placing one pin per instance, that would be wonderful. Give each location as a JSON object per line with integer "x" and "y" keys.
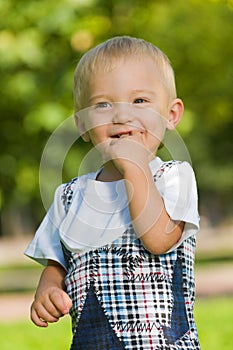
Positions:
{"x": 46, "y": 242}
{"x": 178, "y": 189}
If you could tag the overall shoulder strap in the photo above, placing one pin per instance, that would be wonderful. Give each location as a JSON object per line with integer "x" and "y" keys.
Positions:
{"x": 67, "y": 194}
{"x": 164, "y": 167}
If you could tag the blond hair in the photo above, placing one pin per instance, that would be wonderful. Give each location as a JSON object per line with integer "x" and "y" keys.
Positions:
{"x": 106, "y": 54}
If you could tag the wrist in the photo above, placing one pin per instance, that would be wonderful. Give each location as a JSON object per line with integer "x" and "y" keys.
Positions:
{"x": 137, "y": 171}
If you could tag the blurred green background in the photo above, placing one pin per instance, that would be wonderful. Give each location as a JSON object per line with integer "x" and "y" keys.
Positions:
{"x": 40, "y": 44}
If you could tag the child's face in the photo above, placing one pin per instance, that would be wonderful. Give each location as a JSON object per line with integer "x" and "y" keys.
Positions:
{"x": 128, "y": 99}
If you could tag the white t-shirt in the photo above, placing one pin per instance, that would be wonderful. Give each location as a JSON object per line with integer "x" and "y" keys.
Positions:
{"x": 99, "y": 212}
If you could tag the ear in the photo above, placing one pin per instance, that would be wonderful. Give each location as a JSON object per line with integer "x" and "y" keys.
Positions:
{"x": 81, "y": 127}
{"x": 176, "y": 111}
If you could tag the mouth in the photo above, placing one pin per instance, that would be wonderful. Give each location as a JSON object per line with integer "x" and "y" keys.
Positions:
{"x": 122, "y": 134}
{"x": 127, "y": 133}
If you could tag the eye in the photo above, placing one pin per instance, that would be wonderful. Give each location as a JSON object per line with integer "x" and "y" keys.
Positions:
{"x": 140, "y": 100}
{"x": 103, "y": 105}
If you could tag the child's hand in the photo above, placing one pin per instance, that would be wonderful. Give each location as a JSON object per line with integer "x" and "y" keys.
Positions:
{"x": 49, "y": 306}
{"x": 129, "y": 151}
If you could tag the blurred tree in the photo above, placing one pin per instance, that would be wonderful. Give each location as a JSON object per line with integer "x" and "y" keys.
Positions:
{"x": 40, "y": 44}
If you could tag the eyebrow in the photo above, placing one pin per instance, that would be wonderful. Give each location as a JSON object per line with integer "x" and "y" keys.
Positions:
{"x": 133, "y": 92}
{"x": 141, "y": 91}
{"x": 100, "y": 96}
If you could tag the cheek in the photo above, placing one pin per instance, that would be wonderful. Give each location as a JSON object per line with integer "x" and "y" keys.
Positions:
{"x": 155, "y": 126}
{"x": 97, "y": 134}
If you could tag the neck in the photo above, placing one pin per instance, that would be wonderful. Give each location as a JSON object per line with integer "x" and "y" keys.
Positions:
{"x": 109, "y": 173}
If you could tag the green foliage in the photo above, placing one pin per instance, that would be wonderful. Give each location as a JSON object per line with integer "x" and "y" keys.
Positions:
{"x": 40, "y": 44}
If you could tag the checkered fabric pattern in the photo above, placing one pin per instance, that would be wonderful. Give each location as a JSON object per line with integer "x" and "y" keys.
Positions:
{"x": 165, "y": 167}
{"x": 124, "y": 297}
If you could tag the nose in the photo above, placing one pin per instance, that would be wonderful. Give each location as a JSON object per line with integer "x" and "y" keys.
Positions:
{"x": 122, "y": 113}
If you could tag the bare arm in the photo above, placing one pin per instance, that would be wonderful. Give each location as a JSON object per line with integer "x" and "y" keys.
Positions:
{"x": 51, "y": 301}
{"x": 157, "y": 231}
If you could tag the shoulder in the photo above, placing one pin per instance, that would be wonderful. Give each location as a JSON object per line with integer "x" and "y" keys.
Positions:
{"x": 70, "y": 186}
{"x": 173, "y": 168}
{"x": 176, "y": 182}
{"x": 165, "y": 167}
{"x": 67, "y": 190}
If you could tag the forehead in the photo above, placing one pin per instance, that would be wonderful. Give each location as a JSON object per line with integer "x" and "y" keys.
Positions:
{"x": 99, "y": 65}
{"x": 109, "y": 62}
{"x": 130, "y": 72}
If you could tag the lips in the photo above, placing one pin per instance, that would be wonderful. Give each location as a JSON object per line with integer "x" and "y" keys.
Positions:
{"x": 122, "y": 134}
{"x": 125, "y": 133}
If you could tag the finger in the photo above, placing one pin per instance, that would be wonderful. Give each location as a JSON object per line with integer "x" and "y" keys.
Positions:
{"x": 44, "y": 311}
{"x": 137, "y": 132}
{"x": 47, "y": 313}
{"x": 67, "y": 301}
{"x": 138, "y": 135}
{"x": 47, "y": 309}
{"x": 37, "y": 320}
{"x": 61, "y": 301}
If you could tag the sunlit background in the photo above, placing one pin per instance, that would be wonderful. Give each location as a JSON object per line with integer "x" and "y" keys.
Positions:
{"x": 40, "y": 44}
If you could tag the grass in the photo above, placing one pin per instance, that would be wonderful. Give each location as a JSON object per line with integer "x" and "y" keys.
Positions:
{"x": 24, "y": 335}
{"x": 214, "y": 319}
